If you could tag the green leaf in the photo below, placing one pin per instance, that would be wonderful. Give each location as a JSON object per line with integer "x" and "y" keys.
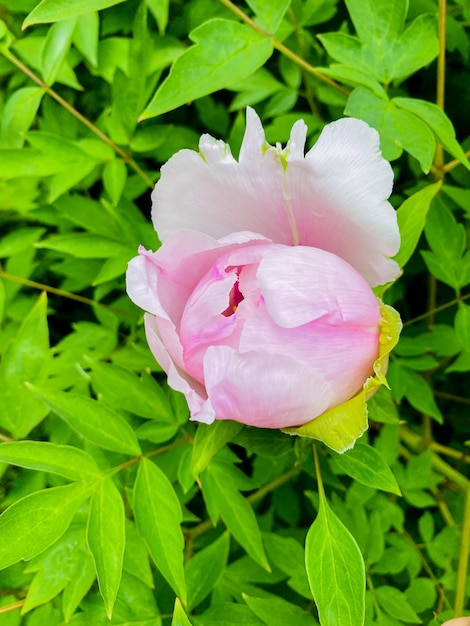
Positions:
{"x": 278, "y": 612}
{"x": 159, "y": 10}
{"x": 56, "y": 48}
{"x": 446, "y": 236}
{"x": 86, "y": 36}
{"x": 228, "y": 614}
{"x": 269, "y": 13}
{"x": 209, "y": 439}
{"x": 58, "y": 567}
{"x": 123, "y": 388}
{"x": 66, "y": 461}
{"x": 462, "y": 325}
{"x": 383, "y": 49}
{"x": 419, "y": 395}
{"x": 439, "y": 123}
{"x": 335, "y": 570}
{"x": 26, "y": 358}
{"x": 27, "y": 162}
{"x": 411, "y": 219}
{"x": 179, "y": 616}
{"x": 399, "y": 130}
{"x": 85, "y": 246}
{"x": 394, "y": 602}
{"x": 35, "y": 522}
{"x": 224, "y": 53}
{"x": 366, "y": 465}
{"x": 204, "y": 570}
{"x": 106, "y": 539}
{"x": 218, "y": 486}
{"x": 56, "y": 10}
{"x": 18, "y": 115}
{"x": 114, "y": 179}
{"x": 158, "y": 517}
{"x": 93, "y": 420}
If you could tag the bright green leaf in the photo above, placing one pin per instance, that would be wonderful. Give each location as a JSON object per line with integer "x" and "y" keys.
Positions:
{"x": 335, "y": 570}
{"x": 269, "y": 13}
{"x": 224, "y": 52}
{"x": 158, "y": 517}
{"x": 439, "y": 123}
{"x": 366, "y": 465}
{"x": 209, "y": 439}
{"x": 114, "y": 179}
{"x": 26, "y": 358}
{"x": 122, "y": 388}
{"x": 66, "y": 461}
{"x": 399, "y": 130}
{"x": 179, "y": 616}
{"x": 278, "y": 612}
{"x": 394, "y": 602}
{"x": 411, "y": 219}
{"x": 18, "y": 115}
{"x": 106, "y": 539}
{"x": 56, "y": 48}
{"x": 56, "y": 10}
{"x": 462, "y": 325}
{"x": 36, "y": 521}
{"x": 159, "y": 10}
{"x": 86, "y": 36}
{"x": 93, "y": 420}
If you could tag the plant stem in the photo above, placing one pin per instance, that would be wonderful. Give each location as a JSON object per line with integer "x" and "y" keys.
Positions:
{"x": 94, "y": 129}
{"x": 441, "y": 74}
{"x": 60, "y": 292}
{"x": 437, "y": 309}
{"x": 463, "y": 560}
{"x": 321, "y": 490}
{"x": 284, "y": 49}
{"x": 415, "y": 442}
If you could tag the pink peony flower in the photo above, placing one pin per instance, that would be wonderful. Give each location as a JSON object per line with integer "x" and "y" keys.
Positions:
{"x": 259, "y": 302}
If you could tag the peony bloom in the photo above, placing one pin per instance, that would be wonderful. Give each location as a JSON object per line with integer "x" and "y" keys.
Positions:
{"x": 259, "y": 302}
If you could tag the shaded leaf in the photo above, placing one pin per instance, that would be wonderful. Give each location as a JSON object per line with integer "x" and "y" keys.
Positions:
{"x": 219, "y": 488}
{"x": 204, "y": 569}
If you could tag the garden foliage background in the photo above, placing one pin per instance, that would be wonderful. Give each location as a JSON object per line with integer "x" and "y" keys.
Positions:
{"x": 114, "y": 503}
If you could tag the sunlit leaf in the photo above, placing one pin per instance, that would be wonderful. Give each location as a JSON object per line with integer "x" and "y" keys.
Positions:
{"x": 158, "y": 517}
{"x": 335, "y": 570}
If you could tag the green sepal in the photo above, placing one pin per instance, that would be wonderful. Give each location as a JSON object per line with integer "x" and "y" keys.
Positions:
{"x": 341, "y": 426}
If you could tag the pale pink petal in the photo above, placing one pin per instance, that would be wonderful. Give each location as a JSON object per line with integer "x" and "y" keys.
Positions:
{"x": 342, "y": 355}
{"x": 346, "y": 185}
{"x": 178, "y": 379}
{"x": 211, "y": 192}
{"x": 302, "y": 284}
{"x": 335, "y": 198}
{"x": 256, "y": 389}
{"x": 203, "y": 322}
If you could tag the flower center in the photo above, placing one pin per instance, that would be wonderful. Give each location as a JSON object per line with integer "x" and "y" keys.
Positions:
{"x": 234, "y": 298}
